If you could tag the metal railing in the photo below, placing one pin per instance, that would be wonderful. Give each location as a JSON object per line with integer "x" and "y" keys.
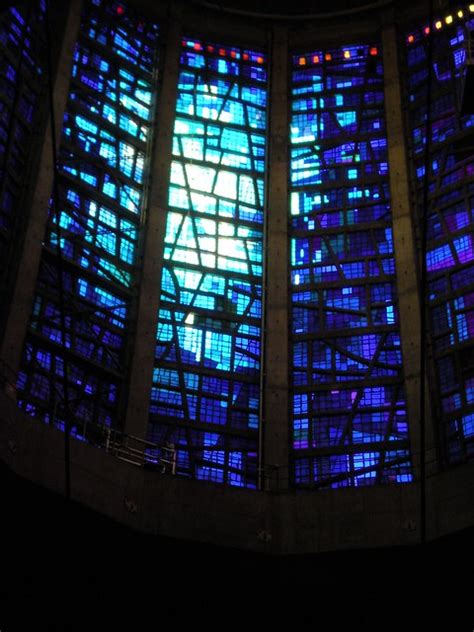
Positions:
{"x": 115, "y": 442}
{"x": 147, "y": 454}
{"x": 128, "y": 448}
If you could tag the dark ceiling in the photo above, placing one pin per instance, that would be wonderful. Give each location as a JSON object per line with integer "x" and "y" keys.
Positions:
{"x": 302, "y": 8}
{"x": 290, "y": 8}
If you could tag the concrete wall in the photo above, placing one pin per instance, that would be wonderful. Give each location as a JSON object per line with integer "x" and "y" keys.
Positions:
{"x": 276, "y": 520}
{"x": 279, "y": 523}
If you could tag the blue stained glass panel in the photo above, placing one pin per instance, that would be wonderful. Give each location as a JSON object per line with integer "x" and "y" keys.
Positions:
{"x": 205, "y": 398}
{"x": 94, "y": 222}
{"x": 349, "y": 412}
{"x": 449, "y": 220}
{"x": 23, "y": 59}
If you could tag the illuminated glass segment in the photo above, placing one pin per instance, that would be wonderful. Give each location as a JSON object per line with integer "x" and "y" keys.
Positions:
{"x": 205, "y": 397}
{"x": 105, "y": 140}
{"x": 349, "y": 418}
{"x": 450, "y": 221}
{"x": 22, "y": 62}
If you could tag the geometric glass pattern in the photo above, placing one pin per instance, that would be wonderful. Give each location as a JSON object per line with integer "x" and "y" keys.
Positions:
{"x": 349, "y": 417}
{"x": 449, "y": 219}
{"x": 100, "y": 189}
{"x": 22, "y": 66}
{"x": 206, "y": 382}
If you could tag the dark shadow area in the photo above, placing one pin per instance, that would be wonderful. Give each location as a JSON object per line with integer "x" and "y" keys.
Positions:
{"x": 65, "y": 567}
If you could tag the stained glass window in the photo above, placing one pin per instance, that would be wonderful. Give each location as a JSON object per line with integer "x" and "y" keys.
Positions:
{"x": 101, "y": 184}
{"x": 205, "y": 399}
{"x": 349, "y": 417}
{"x": 22, "y": 66}
{"x": 449, "y": 219}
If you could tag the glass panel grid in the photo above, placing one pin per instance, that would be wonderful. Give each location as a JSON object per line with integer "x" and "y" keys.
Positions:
{"x": 22, "y": 65}
{"x": 450, "y": 219}
{"x": 349, "y": 417}
{"x": 205, "y": 398}
{"x": 101, "y": 185}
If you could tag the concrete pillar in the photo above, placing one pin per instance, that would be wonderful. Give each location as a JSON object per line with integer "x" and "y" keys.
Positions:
{"x": 23, "y": 295}
{"x": 275, "y": 420}
{"x": 409, "y": 304}
{"x": 143, "y": 348}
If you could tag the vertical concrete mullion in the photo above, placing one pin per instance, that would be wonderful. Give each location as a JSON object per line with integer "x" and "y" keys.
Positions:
{"x": 23, "y": 295}
{"x": 409, "y": 304}
{"x": 143, "y": 352}
{"x": 276, "y": 405}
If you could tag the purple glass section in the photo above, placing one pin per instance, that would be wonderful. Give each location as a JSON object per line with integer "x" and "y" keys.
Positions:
{"x": 349, "y": 413}
{"x": 22, "y": 64}
{"x": 450, "y": 222}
